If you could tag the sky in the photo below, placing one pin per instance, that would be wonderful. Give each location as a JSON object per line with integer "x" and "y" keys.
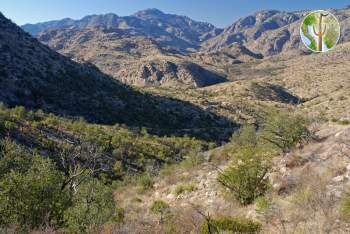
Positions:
{"x": 221, "y": 13}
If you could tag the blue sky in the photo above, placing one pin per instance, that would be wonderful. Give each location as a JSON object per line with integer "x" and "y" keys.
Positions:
{"x": 218, "y": 12}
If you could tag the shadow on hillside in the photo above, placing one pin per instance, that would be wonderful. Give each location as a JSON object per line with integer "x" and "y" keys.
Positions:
{"x": 34, "y": 76}
{"x": 100, "y": 99}
{"x": 276, "y": 93}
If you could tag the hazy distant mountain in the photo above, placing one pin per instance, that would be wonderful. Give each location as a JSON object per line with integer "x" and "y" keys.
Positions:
{"x": 251, "y": 28}
{"x": 271, "y": 32}
{"x": 169, "y": 30}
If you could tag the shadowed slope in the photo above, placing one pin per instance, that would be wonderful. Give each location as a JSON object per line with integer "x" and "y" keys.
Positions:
{"x": 34, "y": 76}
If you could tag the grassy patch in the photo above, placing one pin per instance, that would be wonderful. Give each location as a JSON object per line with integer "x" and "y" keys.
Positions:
{"x": 184, "y": 188}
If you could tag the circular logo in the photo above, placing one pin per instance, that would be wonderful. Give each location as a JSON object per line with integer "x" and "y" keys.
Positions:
{"x": 320, "y": 31}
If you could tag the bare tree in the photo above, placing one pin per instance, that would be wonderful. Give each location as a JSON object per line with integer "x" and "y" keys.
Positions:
{"x": 82, "y": 161}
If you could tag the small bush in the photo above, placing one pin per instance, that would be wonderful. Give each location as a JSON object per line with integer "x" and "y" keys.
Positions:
{"x": 246, "y": 135}
{"x": 304, "y": 197}
{"x": 9, "y": 126}
{"x": 144, "y": 182}
{"x": 193, "y": 159}
{"x": 118, "y": 169}
{"x": 285, "y": 130}
{"x": 246, "y": 177}
{"x": 19, "y": 112}
{"x": 262, "y": 204}
{"x": 230, "y": 225}
{"x": 92, "y": 206}
{"x": 344, "y": 122}
{"x": 160, "y": 208}
{"x": 33, "y": 198}
{"x": 168, "y": 170}
{"x": 183, "y": 188}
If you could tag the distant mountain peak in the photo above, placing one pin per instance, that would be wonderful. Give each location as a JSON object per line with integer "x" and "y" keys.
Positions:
{"x": 107, "y": 15}
{"x": 150, "y": 12}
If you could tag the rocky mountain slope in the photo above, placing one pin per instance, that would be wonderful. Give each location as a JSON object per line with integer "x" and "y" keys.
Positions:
{"x": 149, "y": 48}
{"x": 282, "y": 81}
{"x": 169, "y": 30}
{"x": 168, "y": 184}
{"x": 251, "y": 28}
{"x": 33, "y": 75}
{"x": 133, "y": 59}
{"x": 271, "y": 32}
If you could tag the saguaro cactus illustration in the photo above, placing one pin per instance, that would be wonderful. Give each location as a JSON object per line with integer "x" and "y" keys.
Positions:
{"x": 321, "y": 31}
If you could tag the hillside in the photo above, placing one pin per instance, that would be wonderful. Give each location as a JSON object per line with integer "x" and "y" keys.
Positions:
{"x": 36, "y": 77}
{"x": 135, "y": 60}
{"x": 282, "y": 81}
{"x": 137, "y": 54}
{"x": 271, "y": 32}
{"x": 167, "y": 29}
{"x": 250, "y": 28}
{"x": 290, "y": 205}
{"x": 149, "y": 48}
{"x": 240, "y": 130}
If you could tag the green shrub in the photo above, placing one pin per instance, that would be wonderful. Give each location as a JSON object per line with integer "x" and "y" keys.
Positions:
{"x": 183, "y": 188}
{"x": 245, "y": 136}
{"x": 19, "y": 112}
{"x": 13, "y": 158}
{"x": 118, "y": 169}
{"x": 262, "y": 204}
{"x": 168, "y": 170}
{"x": 160, "y": 208}
{"x": 246, "y": 176}
{"x": 33, "y": 198}
{"x": 230, "y": 225}
{"x": 144, "y": 182}
{"x": 192, "y": 159}
{"x": 92, "y": 206}
{"x": 284, "y": 129}
{"x": 9, "y": 125}
{"x": 303, "y": 197}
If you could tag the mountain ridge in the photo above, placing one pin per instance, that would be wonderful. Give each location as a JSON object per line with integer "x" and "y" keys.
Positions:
{"x": 149, "y": 22}
{"x": 272, "y": 32}
{"x": 130, "y": 48}
{"x": 34, "y": 76}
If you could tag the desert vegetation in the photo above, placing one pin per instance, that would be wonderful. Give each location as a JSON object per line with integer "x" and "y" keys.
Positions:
{"x": 215, "y": 136}
{"x": 60, "y": 173}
